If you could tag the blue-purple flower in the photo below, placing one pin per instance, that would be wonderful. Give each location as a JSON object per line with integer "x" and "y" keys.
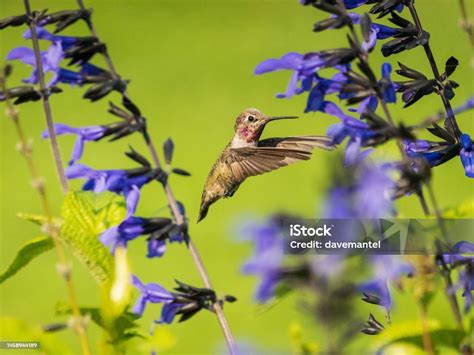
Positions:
{"x": 461, "y": 256}
{"x": 267, "y": 259}
{"x": 123, "y": 182}
{"x": 386, "y": 269}
{"x": 65, "y": 41}
{"x": 377, "y": 31}
{"x": 50, "y": 59}
{"x": 360, "y": 134}
{"x": 368, "y": 196}
{"x": 90, "y": 133}
{"x": 186, "y": 301}
{"x": 304, "y": 67}
{"x": 150, "y": 293}
{"x": 437, "y": 153}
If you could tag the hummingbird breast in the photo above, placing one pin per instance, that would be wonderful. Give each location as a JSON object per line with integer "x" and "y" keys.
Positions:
{"x": 221, "y": 182}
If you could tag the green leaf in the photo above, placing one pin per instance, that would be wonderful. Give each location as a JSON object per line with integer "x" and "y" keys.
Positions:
{"x": 409, "y": 333}
{"x": 464, "y": 210}
{"x": 27, "y": 253}
{"x": 446, "y": 338}
{"x": 85, "y": 217}
{"x": 120, "y": 330}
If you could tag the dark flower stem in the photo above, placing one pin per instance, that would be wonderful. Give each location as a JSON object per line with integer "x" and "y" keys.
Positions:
{"x": 52, "y": 230}
{"x": 434, "y": 67}
{"x": 452, "y": 122}
{"x": 45, "y": 99}
{"x": 446, "y": 273}
{"x": 363, "y": 57}
{"x": 450, "y": 114}
{"x": 174, "y": 206}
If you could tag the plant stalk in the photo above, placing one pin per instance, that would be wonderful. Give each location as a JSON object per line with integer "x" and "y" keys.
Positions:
{"x": 451, "y": 119}
{"x": 427, "y": 343}
{"x": 466, "y": 22}
{"x": 178, "y": 216}
{"x": 51, "y": 229}
{"x": 45, "y": 99}
{"x": 388, "y": 115}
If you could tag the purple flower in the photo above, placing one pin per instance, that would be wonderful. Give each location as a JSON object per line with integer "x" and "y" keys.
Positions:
{"x": 388, "y": 88}
{"x": 120, "y": 235}
{"x": 118, "y": 181}
{"x": 50, "y": 59}
{"x": 377, "y": 31}
{"x": 351, "y": 4}
{"x": 466, "y": 283}
{"x": 159, "y": 231}
{"x": 152, "y": 293}
{"x": 304, "y": 67}
{"x": 366, "y": 197}
{"x": 359, "y": 133}
{"x": 186, "y": 301}
{"x": 90, "y": 133}
{"x": 437, "y": 153}
{"x": 267, "y": 259}
{"x": 462, "y": 256}
{"x": 65, "y": 41}
{"x": 468, "y": 105}
{"x": 466, "y": 154}
{"x": 316, "y": 97}
{"x": 156, "y": 244}
{"x": 387, "y": 269}
{"x": 434, "y": 152}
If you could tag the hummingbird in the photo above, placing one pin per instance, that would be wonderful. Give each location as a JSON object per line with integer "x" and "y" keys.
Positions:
{"x": 246, "y": 155}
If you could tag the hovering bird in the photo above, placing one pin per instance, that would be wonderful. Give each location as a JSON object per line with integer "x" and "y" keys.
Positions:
{"x": 246, "y": 156}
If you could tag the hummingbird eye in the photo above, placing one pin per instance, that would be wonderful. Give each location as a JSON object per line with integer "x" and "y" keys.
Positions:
{"x": 251, "y": 118}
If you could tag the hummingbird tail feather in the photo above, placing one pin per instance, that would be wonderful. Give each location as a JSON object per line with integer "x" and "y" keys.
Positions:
{"x": 203, "y": 211}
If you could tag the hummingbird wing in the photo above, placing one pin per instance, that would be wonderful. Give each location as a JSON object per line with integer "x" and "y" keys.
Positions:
{"x": 304, "y": 143}
{"x": 250, "y": 161}
{"x": 273, "y": 153}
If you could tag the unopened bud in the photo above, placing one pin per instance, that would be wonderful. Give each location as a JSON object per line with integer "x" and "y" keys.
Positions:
{"x": 38, "y": 183}
{"x": 64, "y": 270}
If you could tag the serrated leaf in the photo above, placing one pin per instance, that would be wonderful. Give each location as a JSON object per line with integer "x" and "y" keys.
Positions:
{"x": 85, "y": 217}
{"x": 26, "y": 254}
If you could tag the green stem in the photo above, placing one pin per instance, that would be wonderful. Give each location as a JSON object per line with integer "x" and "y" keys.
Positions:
{"x": 52, "y": 229}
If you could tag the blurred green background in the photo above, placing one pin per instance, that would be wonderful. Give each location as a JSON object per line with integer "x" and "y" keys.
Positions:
{"x": 191, "y": 69}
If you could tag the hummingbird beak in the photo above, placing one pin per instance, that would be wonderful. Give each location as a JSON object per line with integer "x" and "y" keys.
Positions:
{"x": 274, "y": 118}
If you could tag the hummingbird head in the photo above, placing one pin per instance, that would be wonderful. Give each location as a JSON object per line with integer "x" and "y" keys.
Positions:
{"x": 250, "y": 123}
